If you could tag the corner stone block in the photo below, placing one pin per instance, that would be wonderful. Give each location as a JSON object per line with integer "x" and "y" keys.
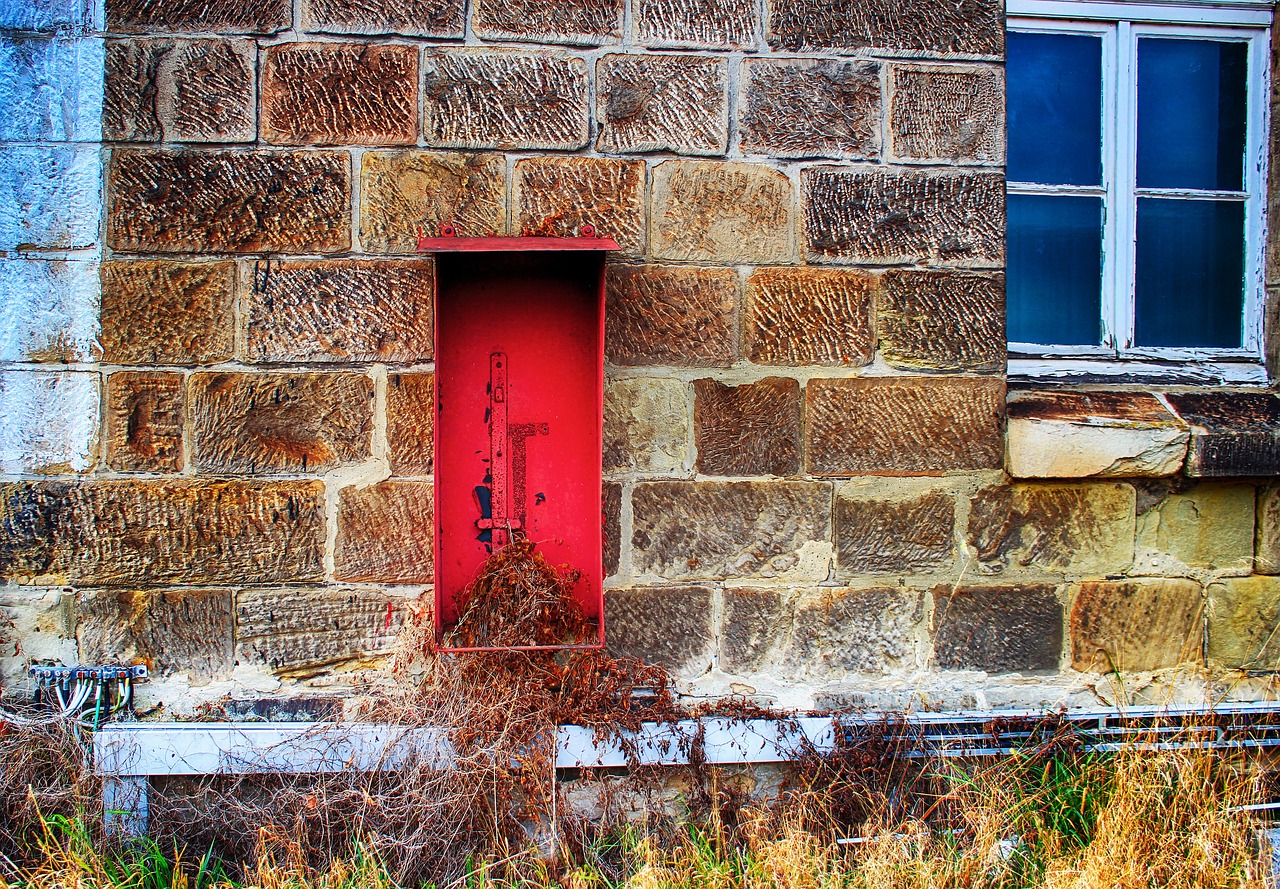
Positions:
{"x": 646, "y": 425}
{"x": 663, "y": 103}
{"x": 778, "y": 530}
{"x": 45, "y": 15}
{"x": 662, "y": 625}
{"x": 411, "y": 412}
{"x": 753, "y": 429}
{"x": 189, "y": 307}
{"x": 36, "y": 625}
{"x": 48, "y": 310}
{"x": 556, "y": 196}
{"x": 1002, "y": 629}
{"x": 48, "y": 421}
{"x": 145, "y": 416}
{"x": 893, "y": 527}
{"x": 221, "y": 16}
{"x": 949, "y": 321}
{"x": 1136, "y": 626}
{"x": 713, "y": 211}
{"x": 948, "y": 114}
{"x": 1267, "y": 541}
{"x": 853, "y": 631}
{"x": 903, "y": 425}
{"x": 404, "y": 192}
{"x": 697, "y": 24}
{"x": 1232, "y": 433}
{"x": 611, "y": 530}
{"x": 407, "y": 18}
{"x": 50, "y": 89}
{"x": 810, "y": 108}
{"x": 584, "y": 22}
{"x": 171, "y": 631}
{"x": 385, "y": 533}
{"x": 933, "y": 26}
{"x": 666, "y": 315}
{"x": 801, "y": 316}
{"x": 1244, "y": 613}
{"x": 1209, "y": 527}
{"x": 50, "y": 197}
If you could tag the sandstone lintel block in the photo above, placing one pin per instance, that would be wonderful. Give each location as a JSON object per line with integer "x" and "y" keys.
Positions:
{"x": 948, "y": 114}
{"x": 1133, "y": 626}
{"x": 663, "y": 103}
{"x": 145, "y": 417}
{"x": 1243, "y": 612}
{"x": 171, "y": 631}
{"x": 670, "y": 315}
{"x": 189, "y": 307}
{"x": 556, "y": 196}
{"x": 999, "y": 629}
{"x": 752, "y": 429}
{"x": 893, "y": 527}
{"x": 973, "y": 27}
{"x": 385, "y": 533}
{"x": 797, "y": 316}
{"x": 411, "y": 412}
{"x": 407, "y": 18}
{"x": 697, "y": 24}
{"x": 810, "y": 108}
{"x": 582, "y": 22}
{"x": 404, "y": 192}
{"x": 665, "y": 625}
{"x": 49, "y": 424}
{"x": 714, "y": 211}
{"x": 646, "y": 425}
{"x": 942, "y": 320}
{"x": 1232, "y": 433}
{"x": 221, "y": 16}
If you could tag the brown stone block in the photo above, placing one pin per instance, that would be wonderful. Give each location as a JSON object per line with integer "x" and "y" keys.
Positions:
{"x": 854, "y": 631}
{"x": 219, "y": 201}
{"x": 810, "y": 108}
{"x": 411, "y": 415}
{"x": 721, "y": 212}
{"x": 801, "y": 316}
{"x": 663, "y": 103}
{"x": 697, "y": 24}
{"x": 556, "y": 196}
{"x": 970, "y": 27}
{"x": 646, "y": 425}
{"x": 611, "y": 528}
{"x": 756, "y": 622}
{"x": 1243, "y": 615}
{"x": 180, "y": 91}
{"x": 1002, "y": 629}
{"x": 1232, "y": 433}
{"x": 187, "y": 307}
{"x": 903, "y": 425}
{"x": 273, "y": 423}
{"x": 948, "y": 114}
{"x": 942, "y": 320}
{"x": 903, "y": 216}
{"x": 662, "y": 625}
{"x": 144, "y": 422}
{"x": 303, "y": 632}
{"x": 385, "y": 533}
{"x": 226, "y": 16}
{"x": 504, "y": 99}
{"x": 667, "y": 315}
{"x": 585, "y": 22}
{"x": 339, "y": 310}
{"x": 409, "y": 18}
{"x": 1134, "y": 626}
{"x": 752, "y": 429}
{"x": 404, "y": 192}
{"x": 893, "y": 528}
{"x": 171, "y": 631}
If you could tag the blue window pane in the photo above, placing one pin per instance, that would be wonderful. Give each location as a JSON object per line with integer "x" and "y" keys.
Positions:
{"x": 1190, "y": 284}
{"x": 1191, "y": 113}
{"x": 1054, "y": 288}
{"x": 1055, "y": 108}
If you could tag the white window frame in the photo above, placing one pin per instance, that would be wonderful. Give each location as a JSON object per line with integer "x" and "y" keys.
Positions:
{"x": 1120, "y": 25}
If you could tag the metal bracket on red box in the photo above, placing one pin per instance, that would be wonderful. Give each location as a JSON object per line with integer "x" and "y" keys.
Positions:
{"x": 505, "y": 495}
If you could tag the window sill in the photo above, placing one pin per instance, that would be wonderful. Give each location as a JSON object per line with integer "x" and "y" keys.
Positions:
{"x": 1044, "y": 372}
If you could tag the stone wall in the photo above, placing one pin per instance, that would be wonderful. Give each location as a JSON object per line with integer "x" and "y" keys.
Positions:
{"x": 217, "y": 393}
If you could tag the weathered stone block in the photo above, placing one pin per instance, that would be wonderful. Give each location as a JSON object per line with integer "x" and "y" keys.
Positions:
{"x": 853, "y": 631}
{"x": 893, "y": 527}
{"x": 611, "y": 510}
{"x": 243, "y": 202}
{"x": 948, "y": 114}
{"x": 697, "y": 24}
{"x": 1082, "y": 530}
{"x": 411, "y": 412}
{"x": 302, "y": 632}
{"x": 273, "y": 423}
{"x": 188, "y": 307}
{"x": 339, "y": 310}
{"x": 753, "y": 429}
{"x": 1232, "y": 433}
{"x": 404, "y": 192}
{"x": 1001, "y": 629}
{"x": 171, "y": 631}
{"x": 144, "y": 421}
{"x": 410, "y": 18}
{"x": 1267, "y": 542}
{"x": 130, "y": 533}
{"x": 36, "y": 626}
{"x": 942, "y": 320}
{"x": 340, "y": 93}
{"x": 866, "y": 216}
{"x": 1136, "y": 625}
{"x": 721, "y": 212}
{"x": 46, "y": 15}
{"x": 49, "y": 423}
{"x": 385, "y": 533}
{"x": 708, "y": 530}
{"x": 756, "y": 622}
{"x": 663, "y": 103}
{"x": 556, "y": 196}
{"x": 646, "y": 425}
{"x": 802, "y": 316}
{"x": 668, "y": 315}
{"x": 504, "y": 99}
{"x": 50, "y": 89}
{"x": 225, "y": 16}
{"x": 1243, "y": 615}
{"x": 48, "y": 310}
{"x": 1209, "y": 527}
{"x": 49, "y": 197}
{"x": 586, "y": 22}
{"x": 810, "y": 108}
{"x": 665, "y": 625}
{"x": 903, "y": 426}
{"x": 970, "y": 27}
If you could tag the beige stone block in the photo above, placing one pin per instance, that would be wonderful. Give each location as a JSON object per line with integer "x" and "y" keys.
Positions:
{"x": 1209, "y": 527}
{"x": 713, "y": 211}
{"x": 1244, "y": 623}
{"x": 997, "y": 629}
{"x": 557, "y": 196}
{"x": 947, "y": 113}
{"x": 1136, "y": 625}
{"x": 171, "y": 631}
{"x": 145, "y": 419}
{"x": 36, "y": 626}
{"x": 225, "y": 16}
{"x": 672, "y": 626}
{"x": 839, "y": 631}
{"x": 410, "y": 18}
{"x": 1267, "y": 539}
{"x": 670, "y": 315}
{"x": 674, "y": 103}
{"x": 646, "y": 425}
{"x": 406, "y": 192}
{"x": 385, "y": 533}
{"x": 188, "y": 307}
{"x": 941, "y": 320}
{"x": 697, "y": 24}
{"x": 931, "y": 26}
{"x": 752, "y": 429}
{"x": 411, "y": 413}
{"x": 584, "y": 22}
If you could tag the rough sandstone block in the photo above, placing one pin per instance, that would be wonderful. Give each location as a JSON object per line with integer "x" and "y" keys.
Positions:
{"x": 50, "y": 197}
{"x": 1243, "y": 615}
{"x": 188, "y": 307}
{"x": 865, "y": 216}
{"x": 556, "y": 196}
{"x": 49, "y": 310}
{"x": 853, "y": 631}
{"x": 50, "y": 89}
{"x": 46, "y": 15}
{"x": 410, "y": 18}
{"x": 225, "y": 16}
{"x": 971, "y": 27}
{"x": 1232, "y": 433}
{"x": 1002, "y": 629}
{"x": 663, "y": 103}
{"x": 646, "y": 425}
{"x": 664, "y": 625}
{"x": 1136, "y": 625}
{"x": 611, "y": 530}
{"x": 171, "y": 631}
{"x": 1267, "y": 542}
{"x": 504, "y": 99}
{"x": 708, "y": 530}
{"x": 340, "y": 93}
{"x": 1207, "y": 528}
{"x": 697, "y": 24}
{"x": 385, "y": 533}
{"x": 893, "y": 527}
{"x": 668, "y": 315}
{"x": 49, "y": 423}
{"x": 721, "y": 212}
{"x": 753, "y": 429}
{"x": 802, "y": 316}
{"x": 585, "y": 22}
{"x": 903, "y": 426}
{"x": 810, "y": 108}
{"x": 756, "y": 623}
{"x": 942, "y": 320}
{"x": 404, "y": 192}
{"x": 411, "y": 412}
{"x": 339, "y": 310}
{"x": 144, "y": 422}
{"x": 36, "y": 626}
{"x": 242, "y": 202}
{"x": 948, "y": 114}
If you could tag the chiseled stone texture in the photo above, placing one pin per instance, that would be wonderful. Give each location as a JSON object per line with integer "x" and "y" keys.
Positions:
{"x": 756, "y": 622}
{"x": 50, "y": 89}
{"x": 696, "y": 24}
{"x": 242, "y": 201}
{"x": 714, "y": 211}
{"x": 893, "y": 527}
{"x": 874, "y": 216}
{"x": 181, "y": 91}
{"x": 48, "y": 421}
{"x": 1136, "y": 625}
{"x": 948, "y": 114}
{"x": 938, "y": 26}
{"x": 338, "y": 310}
{"x": 802, "y": 316}
{"x": 1084, "y": 530}
{"x": 46, "y": 15}
{"x": 999, "y": 629}
{"x": 586, "y": 22}
{"x": 903, "y": 425}
{"x": 667, "y": 315}
{"x": 663, "y": 103}
{"x": 853, "y": 631}
{"x": 50, "y": 197}
{"x": 707, "y": 530}
{"x": 1208, "y": 527}
{"x": 752, "y": 429}
{"x": 1243, "y": 615}
{"x": 504, "y": 99}
{"x": 1232, "y": 433}
{"x": 411, "y": 412}
{"x": 556, "y": 196}
{"x": 1267, "y": 543}
{"x": 404, "y": 192}
{"x": 129, "y": 533}
{"x": 410, "y": 18}
{"x": 810, "y": 108}
{"x": 250, "y": 424}
{"x": 385, "y": 533}
{"x": 667, "y": 625}
{"x": 300, "y": 632}
{"x": 171, "y": 631}
{"x": 225, "y": 16}
{"x": 646, "y": 425}
{"x": 340, "y": 93}
{"x": 611, "y": 530}
{"x": 942, "y": 320}
{"x": 187, "y": 307}
{"x": 48, "y": 310}
{"x": 144, "y": 421}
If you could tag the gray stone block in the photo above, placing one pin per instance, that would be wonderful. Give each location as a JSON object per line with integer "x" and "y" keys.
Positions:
{"x": 48, "y": 310}
{"x": 49, "y": 198}
{"x": 50, "y": 90}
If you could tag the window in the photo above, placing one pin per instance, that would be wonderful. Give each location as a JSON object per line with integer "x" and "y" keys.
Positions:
{"x": 1136, "y": 162}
